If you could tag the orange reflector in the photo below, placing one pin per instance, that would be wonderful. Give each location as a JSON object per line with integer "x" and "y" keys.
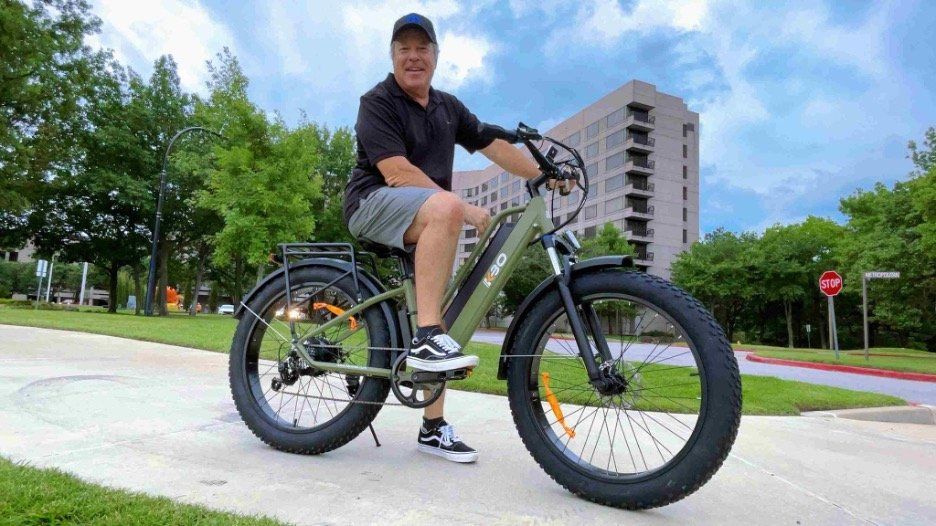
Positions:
{"x": 554, "y": 404}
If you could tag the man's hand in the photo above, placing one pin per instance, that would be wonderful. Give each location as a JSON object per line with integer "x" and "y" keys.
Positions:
{"x": 477, "y": 217}
{"x": 565, "y": 188}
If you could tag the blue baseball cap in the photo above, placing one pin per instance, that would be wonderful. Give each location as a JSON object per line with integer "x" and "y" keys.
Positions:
{"x": 414, "y": 20}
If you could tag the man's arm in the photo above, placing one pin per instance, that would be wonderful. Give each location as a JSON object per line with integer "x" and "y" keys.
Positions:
{"x": 398, "y": 171}
{"x": 509, "y": 158}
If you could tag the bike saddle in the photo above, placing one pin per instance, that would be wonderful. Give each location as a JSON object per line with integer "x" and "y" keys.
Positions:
{"x": 383, "y": 251}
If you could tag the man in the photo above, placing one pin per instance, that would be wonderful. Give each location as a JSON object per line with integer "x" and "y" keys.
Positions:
{"x": 399, "y": 195}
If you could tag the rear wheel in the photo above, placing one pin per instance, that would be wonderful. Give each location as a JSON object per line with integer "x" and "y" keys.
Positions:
{"x": 664, "y": 419}
{"x": 285, "y": 402}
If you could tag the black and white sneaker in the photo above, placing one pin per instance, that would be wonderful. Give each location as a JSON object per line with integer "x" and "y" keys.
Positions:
{"x": 438, "y": 352}
{"x": 442, "y": 441}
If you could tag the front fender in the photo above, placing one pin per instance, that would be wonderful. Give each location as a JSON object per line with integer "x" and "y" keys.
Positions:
{"x": 546, "y": 286}
{"x": 370, "y": 286}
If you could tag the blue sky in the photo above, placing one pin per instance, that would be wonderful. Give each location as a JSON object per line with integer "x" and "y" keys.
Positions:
{"x": 801, "y": 103}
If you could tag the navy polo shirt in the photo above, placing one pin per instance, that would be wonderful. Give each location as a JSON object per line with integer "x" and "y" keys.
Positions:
{"x": 391, "y": 123}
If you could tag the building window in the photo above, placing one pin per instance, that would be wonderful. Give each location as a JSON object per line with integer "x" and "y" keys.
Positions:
{"x": 615, "y": 118}
{"x": 685, "y": 236}
{"x": 14, "y": 256}
{"x": 685, "y": 172}
{"x": 686, "y": 128}
{"x": 483, "y": 200}
{"x": 469, "y": 247}
{"x": 571, "y": 217}
{"x": 572, "y": 198}
{"x": 614, "y": 183}
{"x": 591, "y": 131}
{"x": 614, "y": 161}
{"x": 574, "y": 140}
{"x": 503, "y": 206}
{"x": 493, "y": 197}
{"x": 471, "y": 232}
{"x": 503, "y": 192}
{"x": 592, "y": 170}
{"x": 484, "y": 187}
{"x": 591, "y": 150}
{"x": 515, "y": 187}
{"x": 613, "y": 205}
{"x": 504, "y": 177}
{"x": 515, "y": 201}
{"x": 493, "y": 182}
{"x": 685, "y": 214}
{"x": 614, "y": 139}
{"x": 589, "y": 232}
{"x": 685, "y": 151}
{"x": 591, "y": 212}
{"x": 685, "y": 193}
{"x": 493, "y": 210}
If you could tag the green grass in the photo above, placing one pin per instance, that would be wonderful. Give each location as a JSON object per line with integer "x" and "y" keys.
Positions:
{"x": 31, "y": 496}
{"x": 908, "y": 360}
{"x": 762, "y": 395}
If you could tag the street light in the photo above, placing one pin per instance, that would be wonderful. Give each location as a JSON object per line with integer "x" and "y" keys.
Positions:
{"x": 151, "y": 278}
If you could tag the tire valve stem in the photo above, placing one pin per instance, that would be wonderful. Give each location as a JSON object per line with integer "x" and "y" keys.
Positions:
{"x": 554, "y": 404}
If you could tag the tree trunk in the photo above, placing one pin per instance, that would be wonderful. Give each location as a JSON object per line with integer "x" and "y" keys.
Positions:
{"x": 198, "y": 281}
{"x": 822, "y": 333}
{"x": 788, "y": 311}
{"x": 261, "y": 268}
{"x": 137, "y": 287}
{"x": 112, "y": 287}
{"x": 162, "y": 273}
{"x": 238, "y": 280}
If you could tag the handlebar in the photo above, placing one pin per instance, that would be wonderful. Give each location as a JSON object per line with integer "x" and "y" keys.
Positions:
{"x": 549, "y": 168}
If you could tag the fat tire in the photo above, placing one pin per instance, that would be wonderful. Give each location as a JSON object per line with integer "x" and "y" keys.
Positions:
{"x": 337, "y": 431}
{"x": 722, "y": 417}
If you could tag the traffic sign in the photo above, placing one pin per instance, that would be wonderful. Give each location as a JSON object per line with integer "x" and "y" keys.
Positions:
{"x": 881, "y": 275}
{"x": 830, "y": 283}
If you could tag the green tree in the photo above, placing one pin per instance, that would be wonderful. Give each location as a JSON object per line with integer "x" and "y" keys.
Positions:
{"x": 45, "y": 73}
{"x": 718, "y": 271}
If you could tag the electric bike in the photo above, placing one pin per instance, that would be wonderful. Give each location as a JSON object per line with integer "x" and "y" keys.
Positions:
{"x": 622, "y": 386}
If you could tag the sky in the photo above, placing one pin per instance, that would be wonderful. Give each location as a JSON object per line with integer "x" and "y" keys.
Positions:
{"x": 800, "y": 103}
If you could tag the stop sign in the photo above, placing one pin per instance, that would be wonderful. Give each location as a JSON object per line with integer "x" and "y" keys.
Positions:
{"x": 830, "y": 283}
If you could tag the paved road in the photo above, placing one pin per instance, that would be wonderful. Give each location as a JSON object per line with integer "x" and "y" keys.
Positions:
{"x": 912, "y": 391}
{"x": 159, "y": 419}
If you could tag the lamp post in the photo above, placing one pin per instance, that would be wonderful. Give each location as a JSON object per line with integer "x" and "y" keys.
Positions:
{"x": 151, "y": 278}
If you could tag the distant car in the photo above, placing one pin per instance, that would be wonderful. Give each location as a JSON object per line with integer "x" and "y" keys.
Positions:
{"x": 226, "y": 309}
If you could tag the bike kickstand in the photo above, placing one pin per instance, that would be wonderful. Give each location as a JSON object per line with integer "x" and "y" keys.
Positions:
{"x": 374, "y": 433}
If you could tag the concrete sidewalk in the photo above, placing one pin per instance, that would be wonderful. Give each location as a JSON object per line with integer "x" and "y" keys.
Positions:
{"x": 159, "y": 419}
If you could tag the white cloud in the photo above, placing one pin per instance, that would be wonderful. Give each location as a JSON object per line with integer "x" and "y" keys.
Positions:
{"x": 462, "y": 58}
{"x": 139, "y": 32}
{"x": 603, "y": 22}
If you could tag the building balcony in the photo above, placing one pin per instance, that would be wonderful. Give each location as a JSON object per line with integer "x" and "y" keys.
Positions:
{"x": 644, "y": 213}
{"x": 639, "y": 189}
{"x": 640, "y": 121}
{"x": 639, "y": 166}
{"x": 639, "y": 236}
{"x": 643, "y": 258}
{"x": 640, "y": 144}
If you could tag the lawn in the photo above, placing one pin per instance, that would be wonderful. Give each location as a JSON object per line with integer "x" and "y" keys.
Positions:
{"x": 48, "y": 496}
{"x": 762, "y": 395}
{"x": 894, "y": 359}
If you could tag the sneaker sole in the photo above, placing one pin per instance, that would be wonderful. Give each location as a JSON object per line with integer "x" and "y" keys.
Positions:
{"x": 465, "y": 362}
{"x": 462, "y": 458}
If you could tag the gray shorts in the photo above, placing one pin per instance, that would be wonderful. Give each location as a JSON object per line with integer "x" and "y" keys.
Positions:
{"x": 385, "y": 214}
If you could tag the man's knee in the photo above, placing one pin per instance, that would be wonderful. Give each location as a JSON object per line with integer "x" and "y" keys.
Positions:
{"x": 445, "y": 207}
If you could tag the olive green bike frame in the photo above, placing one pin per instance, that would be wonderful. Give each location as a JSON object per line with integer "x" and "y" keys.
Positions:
{"x": 534, "y": 221}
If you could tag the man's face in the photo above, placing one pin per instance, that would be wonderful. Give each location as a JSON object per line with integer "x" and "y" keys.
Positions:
{"x": 414, "y": 60}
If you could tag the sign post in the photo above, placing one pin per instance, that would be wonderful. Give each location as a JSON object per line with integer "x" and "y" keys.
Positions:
{"x": 808, "y": 330}
{"x": 42, "y": 268}
{"x": 84, "y": 278}
{"x": 864, "y": 299}
{"x": 830, "y": 283}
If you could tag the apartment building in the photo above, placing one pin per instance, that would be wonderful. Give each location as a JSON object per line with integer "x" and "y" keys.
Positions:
{"x": 641, "y": 149}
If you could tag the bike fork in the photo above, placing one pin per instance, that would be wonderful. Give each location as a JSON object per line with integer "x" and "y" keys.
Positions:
{"x": 562, "y": 271}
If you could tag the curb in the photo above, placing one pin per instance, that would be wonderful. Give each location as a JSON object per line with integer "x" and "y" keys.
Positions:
{"x": 867, "y": 371}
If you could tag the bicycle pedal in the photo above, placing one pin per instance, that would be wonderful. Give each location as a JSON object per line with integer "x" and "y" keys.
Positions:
{"x": 440, "y": 376}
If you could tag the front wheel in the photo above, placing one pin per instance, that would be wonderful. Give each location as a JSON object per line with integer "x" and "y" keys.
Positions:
{"x": 666, "y": 417}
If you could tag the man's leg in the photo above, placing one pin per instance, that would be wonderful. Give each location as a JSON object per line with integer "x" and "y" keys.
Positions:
{"x": 435, "y": 232}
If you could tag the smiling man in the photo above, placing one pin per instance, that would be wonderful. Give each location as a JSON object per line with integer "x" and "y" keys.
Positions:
{"x": 399, "y": 195}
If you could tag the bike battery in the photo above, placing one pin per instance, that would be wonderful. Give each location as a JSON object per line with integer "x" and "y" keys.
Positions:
{"x": 477, "y": 273}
